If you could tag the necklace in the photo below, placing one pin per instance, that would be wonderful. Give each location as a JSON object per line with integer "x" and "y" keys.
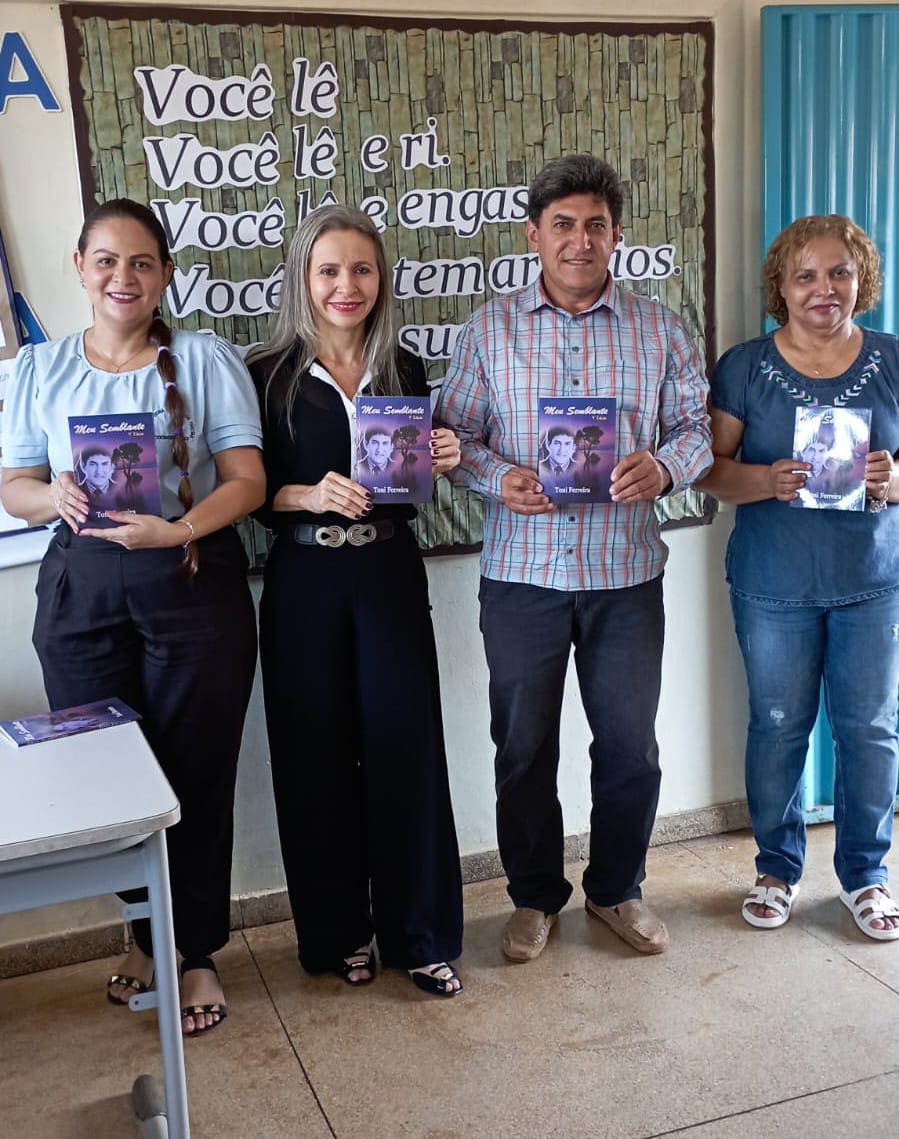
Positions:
{"x": 824, "y": 368}
{"x": 117, "y": 365}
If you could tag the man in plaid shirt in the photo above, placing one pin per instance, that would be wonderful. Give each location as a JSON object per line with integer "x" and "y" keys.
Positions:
{"x": 582, "y": 575}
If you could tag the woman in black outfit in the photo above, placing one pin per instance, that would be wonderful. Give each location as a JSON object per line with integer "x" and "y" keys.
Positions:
{"x": 348, "y": 658}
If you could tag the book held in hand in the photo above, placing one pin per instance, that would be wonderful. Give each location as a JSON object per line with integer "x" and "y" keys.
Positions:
{"x": 393, "y": 448}
{"x": 835, "y": 442}
{"x": 114, "y": 463}
{"x": 576, "y": 448}
{"x": 45, "y": 726}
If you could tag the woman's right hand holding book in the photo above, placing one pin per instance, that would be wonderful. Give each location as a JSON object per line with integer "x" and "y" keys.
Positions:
{"x": 788, "y": 478}
{"x": 334, "y": 493}
{"x": 69, "y": 500}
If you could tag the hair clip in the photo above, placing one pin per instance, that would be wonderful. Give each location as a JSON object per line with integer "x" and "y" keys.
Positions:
{"x": 170, "y": 384}
{"x": 185, "y": 474}
{"x": 162, "y": 348}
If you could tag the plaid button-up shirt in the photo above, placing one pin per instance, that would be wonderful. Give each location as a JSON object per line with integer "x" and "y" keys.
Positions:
{"x": 518, "y": 349}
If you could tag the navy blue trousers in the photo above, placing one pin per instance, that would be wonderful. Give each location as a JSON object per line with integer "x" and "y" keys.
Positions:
{"x": 116, "y": 622}
{"x": 617, "y": 636}
{"x": 352, "y": 705}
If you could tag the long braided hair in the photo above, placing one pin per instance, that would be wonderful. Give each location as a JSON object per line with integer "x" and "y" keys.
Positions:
{"x": 160, "y": 336}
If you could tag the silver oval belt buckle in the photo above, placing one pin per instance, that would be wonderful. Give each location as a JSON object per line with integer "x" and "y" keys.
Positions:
{"x": 361, "y": 534}
{"x": 330, "y": 536}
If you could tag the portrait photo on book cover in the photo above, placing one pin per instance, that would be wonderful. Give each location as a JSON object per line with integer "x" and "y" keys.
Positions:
{"x": 834, "y": 441}
{"x": 395, "y": 463}
{"x": 576, "y": 449}
{"x": 114, "y": 463}
{"x": 43, "y": 726}
{"x": 393, "y": 452}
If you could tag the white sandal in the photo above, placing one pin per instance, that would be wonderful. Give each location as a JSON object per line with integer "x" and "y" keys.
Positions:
{"x": 777, "y": 898}
{"x": 866, "y": 910}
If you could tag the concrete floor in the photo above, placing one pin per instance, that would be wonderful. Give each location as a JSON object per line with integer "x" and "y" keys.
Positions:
{"x": 734, "y": 1033}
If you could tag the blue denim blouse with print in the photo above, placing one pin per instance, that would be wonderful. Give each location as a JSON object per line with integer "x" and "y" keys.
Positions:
{"x": 809, "y": 557}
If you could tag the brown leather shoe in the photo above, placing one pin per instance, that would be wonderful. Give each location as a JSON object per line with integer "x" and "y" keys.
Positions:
{"x": 635, "y": 923}
{"x": 526, "y": 933}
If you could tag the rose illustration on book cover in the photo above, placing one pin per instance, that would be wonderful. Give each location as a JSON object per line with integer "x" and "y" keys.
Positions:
{"x": 576, "y": 448}
{"x": 114, "y": 463}
{"x": 393, "y": 453}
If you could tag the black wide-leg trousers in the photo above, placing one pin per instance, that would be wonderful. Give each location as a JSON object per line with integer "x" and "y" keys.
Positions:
{"x": 181, "y": 652}
{"x": 358, "y": 760}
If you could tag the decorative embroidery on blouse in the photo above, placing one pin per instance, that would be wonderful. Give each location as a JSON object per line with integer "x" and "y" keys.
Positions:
{"x": 800, "y": 395}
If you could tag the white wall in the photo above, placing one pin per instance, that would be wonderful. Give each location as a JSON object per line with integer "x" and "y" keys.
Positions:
{"x": 702, "y": 715}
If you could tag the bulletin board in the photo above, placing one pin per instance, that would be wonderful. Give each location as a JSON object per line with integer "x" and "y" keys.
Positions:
{"x": 233, "y": 125}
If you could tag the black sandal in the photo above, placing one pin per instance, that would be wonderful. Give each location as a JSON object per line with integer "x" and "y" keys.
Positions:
{"x": 136, "y": 985}
{"x": 436, "y": 980}
{"x": 363, "y": 958}
{"x": 193, "y": 1011}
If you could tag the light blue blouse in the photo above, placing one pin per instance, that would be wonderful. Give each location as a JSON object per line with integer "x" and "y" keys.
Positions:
{"x": 55, "y": 380}
{"x": 809, "y": 557}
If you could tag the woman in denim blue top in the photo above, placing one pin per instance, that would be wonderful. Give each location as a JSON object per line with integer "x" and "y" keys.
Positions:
{"x": 815, "y": 593}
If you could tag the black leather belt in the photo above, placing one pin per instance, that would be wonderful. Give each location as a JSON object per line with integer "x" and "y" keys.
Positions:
{"x": 359, "y": 534}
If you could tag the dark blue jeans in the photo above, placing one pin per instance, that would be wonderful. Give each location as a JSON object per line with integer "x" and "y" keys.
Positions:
{"x": 617, "y": 636}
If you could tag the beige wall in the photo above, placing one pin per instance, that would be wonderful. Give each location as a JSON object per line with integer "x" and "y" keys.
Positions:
{"x": 700, "y": 735}
{"x": 38, "y": 172}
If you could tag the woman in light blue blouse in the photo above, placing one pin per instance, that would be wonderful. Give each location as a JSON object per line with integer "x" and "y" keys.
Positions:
{"x": 815, "y": 592}
{"x": 153, "y": 609}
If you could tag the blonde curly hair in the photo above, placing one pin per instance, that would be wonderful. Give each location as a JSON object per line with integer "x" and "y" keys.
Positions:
{"x": 790, "y": 242}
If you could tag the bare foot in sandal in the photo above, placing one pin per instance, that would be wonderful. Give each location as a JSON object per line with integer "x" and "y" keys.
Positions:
{"x": 202, "y": 999}
{"x": 438, "y": 980}
{"x": 360, "y": 967}
{"x": 873, "y": 911}
{"x": 134, "y": 975}
{"x": 887, "y": 921}
{"x": 768, "y": 903}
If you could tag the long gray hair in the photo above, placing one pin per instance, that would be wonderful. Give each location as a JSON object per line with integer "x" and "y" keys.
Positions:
{"x": 294, "y": 322}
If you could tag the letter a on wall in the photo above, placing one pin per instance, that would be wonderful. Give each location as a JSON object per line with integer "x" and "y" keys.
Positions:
{"x": 20, "y": 75}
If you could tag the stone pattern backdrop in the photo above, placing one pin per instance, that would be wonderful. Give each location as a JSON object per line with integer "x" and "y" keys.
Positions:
{"x": 501, "y": 101}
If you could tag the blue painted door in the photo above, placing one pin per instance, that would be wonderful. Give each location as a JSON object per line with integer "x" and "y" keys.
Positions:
{"x": 830, "y": 144}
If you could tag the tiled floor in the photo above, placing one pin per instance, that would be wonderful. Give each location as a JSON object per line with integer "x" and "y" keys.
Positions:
{"x": 732, "y": 1034}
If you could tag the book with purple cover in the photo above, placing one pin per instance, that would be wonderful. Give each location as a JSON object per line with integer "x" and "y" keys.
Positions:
{"x": 835, "y": 441}
{"x": 45, "y": 726}
{"x": 114, "y": 463}
{"x": 576, "y": 448}
{"x": 393, "y": 448}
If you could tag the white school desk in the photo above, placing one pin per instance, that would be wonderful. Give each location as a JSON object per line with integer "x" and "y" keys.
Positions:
{"x": 86, "y": 815}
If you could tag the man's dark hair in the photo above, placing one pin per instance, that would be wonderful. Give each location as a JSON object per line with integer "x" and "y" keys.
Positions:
{"x": 576, "y": 174}
{"x": 558, "y": 430}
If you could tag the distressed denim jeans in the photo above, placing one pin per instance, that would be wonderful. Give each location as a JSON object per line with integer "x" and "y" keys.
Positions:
{"x": 788, "y": 650}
